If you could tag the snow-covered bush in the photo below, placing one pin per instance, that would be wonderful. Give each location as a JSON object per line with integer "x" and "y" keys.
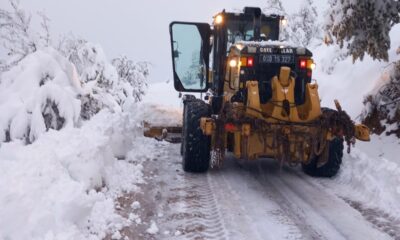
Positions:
{"x": 99, "y": 77}
{"x": 133, "y": 73}
{"x": 46, "y": 90}
{"x": 382, "y": 106}
{"x": 107, "y": 85}
{"x": 38, "y": 94}
{"x": 362, "y": 26}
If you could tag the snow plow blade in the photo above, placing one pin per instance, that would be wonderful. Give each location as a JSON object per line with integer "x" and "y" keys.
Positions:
{"x": 172, "y": 134}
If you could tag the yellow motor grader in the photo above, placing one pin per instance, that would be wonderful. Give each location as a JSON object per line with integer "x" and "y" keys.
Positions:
{"x": 259, "y": 98}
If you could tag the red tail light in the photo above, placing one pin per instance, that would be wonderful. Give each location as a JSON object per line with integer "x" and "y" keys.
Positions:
{"x": 250, "y": 61}
{"x": 303, "y": 63}
{"x": 230, "y": 127}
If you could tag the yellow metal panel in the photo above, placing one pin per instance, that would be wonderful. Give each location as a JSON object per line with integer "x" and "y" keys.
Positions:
{"x": 238, "y": 145}
{"x": 246, "y": 129}
{"x": 284, "y": 76}
{"x": 283, "y": 89}
{"x": 253, "y": 100}
{"x": 311, "y": 109}
{"x": 207, "y": 126}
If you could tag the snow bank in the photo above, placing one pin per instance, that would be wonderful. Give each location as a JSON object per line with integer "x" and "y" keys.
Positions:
{"x": 38, "y": 94}
{"x": 371, "y": 175}
{"x": 62, "y": 186}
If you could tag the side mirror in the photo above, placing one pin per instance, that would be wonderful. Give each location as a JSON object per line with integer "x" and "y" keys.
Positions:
{"x": 190, "y": 45}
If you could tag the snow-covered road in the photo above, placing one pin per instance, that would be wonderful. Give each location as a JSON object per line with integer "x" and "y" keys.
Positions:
{"x": 247, "y": 200}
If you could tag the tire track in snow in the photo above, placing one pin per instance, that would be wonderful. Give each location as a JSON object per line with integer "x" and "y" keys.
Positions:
{"x": 380, "y": 220}
{"x": 252, "y": 209}
{"x": 199, "y": 217}
{"x": 314, "y": 208}
{"x": 245, "y": 200}
{"x": 189, "y": 207}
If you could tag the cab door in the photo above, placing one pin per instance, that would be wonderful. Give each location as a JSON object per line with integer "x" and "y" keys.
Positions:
{"x": 190, "y": 47}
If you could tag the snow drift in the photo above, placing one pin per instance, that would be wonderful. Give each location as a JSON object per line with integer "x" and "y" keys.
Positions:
{"x": 67, "y": 116}
{"x": 63, "y": 185}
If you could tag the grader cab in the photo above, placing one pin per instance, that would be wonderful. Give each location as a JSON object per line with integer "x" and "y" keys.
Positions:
{"x": 260, "y": 100}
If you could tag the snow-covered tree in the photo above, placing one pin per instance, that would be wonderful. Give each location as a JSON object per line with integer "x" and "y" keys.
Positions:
{"x": 362, "y": 26}
{"x": 98, "y": 76}
{"x": 133, "y": 73}
{"x": 42, "y": 88}
{"x": 304, "y": 25}
{"x": 17, "y": 35}
{"x": 274, "y": 7}
{"x": 383, "y": 104}
{"x": 107, "y": 85}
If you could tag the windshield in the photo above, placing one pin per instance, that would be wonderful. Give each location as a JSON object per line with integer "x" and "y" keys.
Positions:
{"x": 238, "y": 30}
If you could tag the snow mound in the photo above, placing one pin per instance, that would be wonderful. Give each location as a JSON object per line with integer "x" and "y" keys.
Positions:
{"x": 371, "y": 175}
{"x": 38, "y": 94}
{"x": 65, "y": 183}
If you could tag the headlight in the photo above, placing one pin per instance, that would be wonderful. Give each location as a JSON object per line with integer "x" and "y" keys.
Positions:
{"x": 284, "y": 22}
{"x": 218, "y": 19}
{"x": 233, "y": 63}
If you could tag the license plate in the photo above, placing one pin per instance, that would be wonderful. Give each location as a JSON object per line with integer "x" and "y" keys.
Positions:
{"x": 274, "y": 58}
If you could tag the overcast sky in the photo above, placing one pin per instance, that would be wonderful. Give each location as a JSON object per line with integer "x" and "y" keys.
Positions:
{"x": 138, "y": 29}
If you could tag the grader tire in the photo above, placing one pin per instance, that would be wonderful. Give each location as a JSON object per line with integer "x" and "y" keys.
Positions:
{"x": 195, "y": 145}
{"x": 332, "y": 166}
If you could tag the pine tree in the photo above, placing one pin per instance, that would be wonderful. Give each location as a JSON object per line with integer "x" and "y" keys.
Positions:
{"x": 362, "y": 26}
